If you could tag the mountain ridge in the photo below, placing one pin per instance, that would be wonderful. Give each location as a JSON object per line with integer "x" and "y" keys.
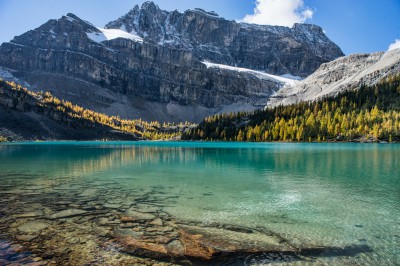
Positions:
{"x": 175, "y": 29}
{"x": 344, "y": 73}
{"x": 124, "y": 76}
{"x": 27, "y": 115}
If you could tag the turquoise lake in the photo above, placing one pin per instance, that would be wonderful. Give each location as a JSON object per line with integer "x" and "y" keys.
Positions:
{"x": 329, "y": 195}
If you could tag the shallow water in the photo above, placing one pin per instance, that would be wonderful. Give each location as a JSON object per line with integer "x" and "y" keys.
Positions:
{"x": 344, "y": 196}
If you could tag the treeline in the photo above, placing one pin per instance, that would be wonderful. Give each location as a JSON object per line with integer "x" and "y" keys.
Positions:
{"x": 66, "y": 111}
{"x": 359, "y": 114}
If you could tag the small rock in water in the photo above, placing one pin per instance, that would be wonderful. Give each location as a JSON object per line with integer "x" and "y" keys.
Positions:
{"x": 127, "y": 232}
{"x": 157, "y": 221}
{"x": 33, "y": 227}
{"x": 26, "y": 238}
{"x": 16, "y": 248}
{"x": 74, "y": 240}
{"x": 112, "y": 206}
{"x": 132, "y": 215}
{"x": 90, "y": 192}
{"x": 67, "y": 213}
{"x": 359, "y": 225}
{"x": 29, "y": 214}
{"x": 37, "y": 187}
{"x": 102, "y": 221}
{"x": 160, "y": 229}
{"x": 176, "y": 248}
{"x": 4, "y": 245}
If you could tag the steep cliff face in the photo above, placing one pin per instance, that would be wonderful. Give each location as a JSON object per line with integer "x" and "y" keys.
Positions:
{"x": 153, "y": 64}
{"x": 342, "y": 74}
{"x": 299, "y": 50}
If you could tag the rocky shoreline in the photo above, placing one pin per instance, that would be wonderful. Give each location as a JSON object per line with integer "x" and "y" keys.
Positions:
{"x": 62, "y": 222}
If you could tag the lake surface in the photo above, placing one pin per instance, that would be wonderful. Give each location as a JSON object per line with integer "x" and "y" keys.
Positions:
{"x": 341, "y": 202}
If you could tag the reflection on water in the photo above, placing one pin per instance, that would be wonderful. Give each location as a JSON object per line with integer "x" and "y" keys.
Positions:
{"x": 320, "y": 194}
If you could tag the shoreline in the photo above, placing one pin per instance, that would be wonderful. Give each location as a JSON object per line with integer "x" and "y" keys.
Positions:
{"x": 188, "y": 141}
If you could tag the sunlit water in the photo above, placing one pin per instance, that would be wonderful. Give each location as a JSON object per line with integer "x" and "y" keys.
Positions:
{"x": 321, "y": 194}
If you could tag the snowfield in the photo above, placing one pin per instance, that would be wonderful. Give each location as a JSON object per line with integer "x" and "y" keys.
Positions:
{"x": 110, "y": 34}
{"x": 262, "y": 75}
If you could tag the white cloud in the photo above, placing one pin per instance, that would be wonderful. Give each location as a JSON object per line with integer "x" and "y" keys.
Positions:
{"x": 395, "y": 45}
{"x": 279, "y": 12}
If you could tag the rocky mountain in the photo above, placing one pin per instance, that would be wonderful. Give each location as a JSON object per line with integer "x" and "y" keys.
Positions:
{"x": 272, "y": 49}
{"x": 348, "y": 72}
{"x": 165, "y": 66}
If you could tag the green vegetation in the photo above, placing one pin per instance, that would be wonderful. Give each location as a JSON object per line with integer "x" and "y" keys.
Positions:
{"x": 367, "y": 112}
{"x": 66, "y": 112}
{"x": 3, "y": 139}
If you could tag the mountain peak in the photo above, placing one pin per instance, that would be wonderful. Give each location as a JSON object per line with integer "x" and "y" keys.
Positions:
{"x": 308, "y": 27}
{"x": 75, "y": 19}
{"x": 150, "y": 6}
{"x": 73, "y": 16}
{"x": 204, "y": 12}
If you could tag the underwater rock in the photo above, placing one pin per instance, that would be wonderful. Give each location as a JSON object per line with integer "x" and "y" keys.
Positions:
{"x": 33, "y": 227}
{"x": 157, "y": 221}
{"x": 132, "y": 215}
{"x": 29, "y": 214}
{"x": 67, "y": 214}
{"x": 176, "y": 248}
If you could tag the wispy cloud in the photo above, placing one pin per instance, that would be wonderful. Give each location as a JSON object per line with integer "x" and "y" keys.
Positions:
{"x": 395, "y": 45}
{"x": 279, "y": 12}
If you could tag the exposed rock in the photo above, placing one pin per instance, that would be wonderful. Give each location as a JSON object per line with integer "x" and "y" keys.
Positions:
{"x": 345, "y": 73}
{"x": 160, "y": 74}
{"x": 277, "y": 50}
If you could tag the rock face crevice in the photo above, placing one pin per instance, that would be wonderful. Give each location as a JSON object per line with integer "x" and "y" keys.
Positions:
{"x": 156, "y": 57}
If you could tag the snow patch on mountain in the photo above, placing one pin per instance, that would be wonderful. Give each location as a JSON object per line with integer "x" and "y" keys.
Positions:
{"x": 261, "y": 75}
{"x": 70, "y": 18}
{"x": 110, "y": 34}
{"x": 6, "y": 74}
{"x": 289, "y": 76}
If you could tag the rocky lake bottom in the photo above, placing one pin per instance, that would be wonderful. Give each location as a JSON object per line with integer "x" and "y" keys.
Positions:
{"x": 193, "y": 204}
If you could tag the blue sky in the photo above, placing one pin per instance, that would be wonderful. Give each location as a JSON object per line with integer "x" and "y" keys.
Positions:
{"x": 355, "y": 25}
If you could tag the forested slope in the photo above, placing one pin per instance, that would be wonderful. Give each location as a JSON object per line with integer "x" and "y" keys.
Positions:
{"x": 363, "y": 114}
